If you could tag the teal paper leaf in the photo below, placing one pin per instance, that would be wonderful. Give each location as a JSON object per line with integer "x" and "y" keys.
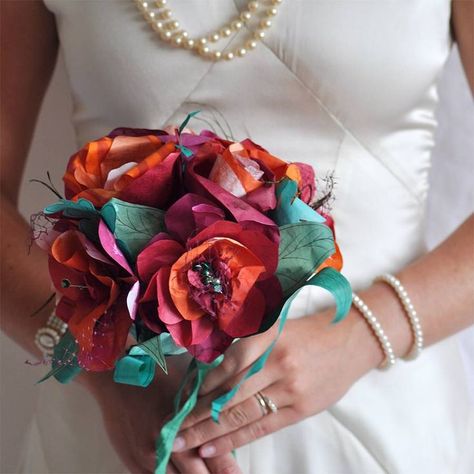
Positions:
{"x": 64, "y": 364}
{"x": 133, "y": 225}
{"x": 290, "y": 209}
{"x": 303, "y": 247}
{"x": 153, "y": 348}
{"x": 168, "y": 345}
{"x": 82, "y": 210}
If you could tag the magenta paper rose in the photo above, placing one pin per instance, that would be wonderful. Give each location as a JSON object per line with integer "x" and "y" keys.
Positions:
{"x": 208, "y": 281}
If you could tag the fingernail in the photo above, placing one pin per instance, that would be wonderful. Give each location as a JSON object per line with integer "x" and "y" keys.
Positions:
{"x": 207, "y": 451}
{"x": 178, "y": 444}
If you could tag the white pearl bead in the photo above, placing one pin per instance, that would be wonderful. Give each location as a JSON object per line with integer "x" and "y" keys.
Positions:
{"x": 215, "y": 37}
{"x": 236, "y": 25}
{"x": 184, "y": 34}
{"x": 277, "y": 2}
{"x": 252, "y": 6}
{"x": 150, "y": 16}
{"x": 272, "y": 12}
{"x": 157, "y": 26}
{"x": 259, "y": 34}
{"x": 160, "y": 3}
{"x": 266, "y": 23}
{"x": 166, "y": 14}
{"x": 144, "y": 5}
{"x": 226, "y": 32}
{"x": 202, "y": 41}
{"x": 245, "y": 16}
{"x": 166, "y": 35}
{"x": 204, "y": 50}
{"x": 189, "y": 44}
{"x": 229, "y": 56}
{"x": 217, "y": 55}
{"x": 251, "y": 44}
{"x": 178, "y": 40}
{"x": 172, "y": 25}
{"x": 241, "y": 52}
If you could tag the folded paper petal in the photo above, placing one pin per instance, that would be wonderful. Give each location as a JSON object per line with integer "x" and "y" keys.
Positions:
{"x": 157, "y": 255}
{"x": 190, "y": 214}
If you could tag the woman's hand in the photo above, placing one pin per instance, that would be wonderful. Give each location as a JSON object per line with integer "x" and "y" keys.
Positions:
{"x": 133, "y": 417}
{"x": 311, "y": 367}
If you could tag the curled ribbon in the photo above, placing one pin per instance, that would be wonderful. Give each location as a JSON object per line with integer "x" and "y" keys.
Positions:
{"x": 136, "y": 368}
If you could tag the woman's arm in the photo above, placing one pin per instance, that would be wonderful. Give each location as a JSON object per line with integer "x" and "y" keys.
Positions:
{"x": 463, "y": 30}
{"x": 29, "y": 53}
{"x": 29, "y": 50}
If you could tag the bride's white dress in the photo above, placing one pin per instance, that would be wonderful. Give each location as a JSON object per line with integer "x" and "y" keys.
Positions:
{"x": 348, "y": 86}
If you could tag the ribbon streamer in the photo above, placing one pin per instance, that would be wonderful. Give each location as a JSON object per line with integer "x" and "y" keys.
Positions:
{"x": 164, "y": 443}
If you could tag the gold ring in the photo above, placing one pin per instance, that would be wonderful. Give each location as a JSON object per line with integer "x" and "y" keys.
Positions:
{"x": 261, "y": 401}
{"x": 271, "y": 405}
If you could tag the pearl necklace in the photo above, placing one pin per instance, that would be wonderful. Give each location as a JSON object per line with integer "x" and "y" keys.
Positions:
{"x": 168, "y": 29}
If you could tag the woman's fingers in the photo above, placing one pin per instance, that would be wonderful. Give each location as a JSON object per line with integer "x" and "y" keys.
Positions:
{"x": 171, "y": 468}
{"x": 237, "y": 357}
{"x": 225, "y": 463}
{"x": 263, "y": 379}
{"x": 259, "y": 428}
{"x": 247, "y": 412}
{"x": 189, "y": 462}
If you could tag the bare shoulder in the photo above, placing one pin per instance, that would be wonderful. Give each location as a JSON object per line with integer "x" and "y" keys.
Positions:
{"x": 463, "y": 27}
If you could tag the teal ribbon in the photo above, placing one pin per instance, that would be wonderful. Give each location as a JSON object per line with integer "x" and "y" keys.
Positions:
{"x": 187, "y": 119}
{"x": 327, "y": 278}
{"x": 164, "y": 443}
{"x": 185, "y": 150}
{"x": 136, "y": 368}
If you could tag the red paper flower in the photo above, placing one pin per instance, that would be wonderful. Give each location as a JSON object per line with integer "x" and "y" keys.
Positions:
{"x": 247, "y": 171}
{"x": 134, "y": 165}
{"x": 210, "y": 288}
{"x": 94, "y": 292}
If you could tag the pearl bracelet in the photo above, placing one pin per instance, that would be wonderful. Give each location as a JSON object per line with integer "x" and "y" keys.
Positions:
{"x": 410, "y": 312}
{"x": 387, "y": 349}
{"x": 48, "y": 337}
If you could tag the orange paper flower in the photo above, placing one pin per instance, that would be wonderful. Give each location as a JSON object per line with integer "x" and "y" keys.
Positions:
{"x": 137, "y": 169}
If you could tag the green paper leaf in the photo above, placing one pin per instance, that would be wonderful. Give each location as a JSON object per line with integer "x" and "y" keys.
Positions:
{"x": 303, "y": 247}
{"x": 154, "y": 349}
{"x": 133, "y": 225}
{"x": 82, "y": 210}
{"x": 64, "y": 364}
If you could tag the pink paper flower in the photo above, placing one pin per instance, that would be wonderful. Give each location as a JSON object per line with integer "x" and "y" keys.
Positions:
{"x": 209, "y": 281}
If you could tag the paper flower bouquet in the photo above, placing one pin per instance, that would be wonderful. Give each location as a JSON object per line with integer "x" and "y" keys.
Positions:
{"x": 180, "y": 242}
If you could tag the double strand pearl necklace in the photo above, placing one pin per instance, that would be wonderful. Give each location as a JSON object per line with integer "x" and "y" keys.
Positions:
{"x": 162, "y": 21}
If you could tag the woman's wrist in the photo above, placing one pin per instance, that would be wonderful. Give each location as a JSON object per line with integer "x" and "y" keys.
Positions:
{"x": 390, "y": 315}
{"x": 95, "y": 382}
{"x": 354, "y": 337}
